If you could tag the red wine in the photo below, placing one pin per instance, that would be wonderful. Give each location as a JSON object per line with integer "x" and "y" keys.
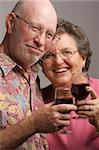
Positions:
{"x": 64, "y": 101}
{"x": 79, "y": 91}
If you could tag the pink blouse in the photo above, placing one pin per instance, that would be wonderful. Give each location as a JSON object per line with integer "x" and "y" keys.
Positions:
{"x": 83, "y": 137}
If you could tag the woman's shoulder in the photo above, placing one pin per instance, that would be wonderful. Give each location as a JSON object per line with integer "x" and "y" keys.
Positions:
{"x": 93, "y": 80}
{"x": 94, "y": 83}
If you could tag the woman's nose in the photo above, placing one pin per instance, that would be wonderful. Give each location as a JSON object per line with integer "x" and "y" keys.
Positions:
{"x": 58, "y": 59}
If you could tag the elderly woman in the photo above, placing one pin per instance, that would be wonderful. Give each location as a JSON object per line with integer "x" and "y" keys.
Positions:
{"x": 69, "y": 59}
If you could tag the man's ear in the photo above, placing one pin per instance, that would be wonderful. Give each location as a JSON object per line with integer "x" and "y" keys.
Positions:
{"x": 10, "y": 19}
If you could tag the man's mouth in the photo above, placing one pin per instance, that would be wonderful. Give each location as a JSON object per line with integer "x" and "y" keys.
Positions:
{"x": 35, "y": 53}
{"x": 35, "y": 48}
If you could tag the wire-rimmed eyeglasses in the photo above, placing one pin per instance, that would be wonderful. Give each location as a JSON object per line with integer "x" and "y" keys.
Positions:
{"x": 37, "y": 30}
{"x": 64, "y": 54}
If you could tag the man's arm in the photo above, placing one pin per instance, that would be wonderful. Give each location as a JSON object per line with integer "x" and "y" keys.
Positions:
{"x": 13, "y": 136}
{"x": 48, "y": 118}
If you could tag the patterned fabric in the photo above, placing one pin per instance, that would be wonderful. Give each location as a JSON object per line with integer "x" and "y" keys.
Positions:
{"x": 16, "y": 98}
{"x": 83, "y": 137}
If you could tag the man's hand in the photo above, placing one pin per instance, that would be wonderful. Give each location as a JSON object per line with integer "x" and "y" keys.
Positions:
{"x": 51, "y": 118}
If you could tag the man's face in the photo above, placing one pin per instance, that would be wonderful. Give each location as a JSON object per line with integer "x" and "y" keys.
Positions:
{"x": 31, "y": 36}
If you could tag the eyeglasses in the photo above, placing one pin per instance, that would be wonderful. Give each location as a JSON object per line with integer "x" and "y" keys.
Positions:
{"x": 37, "y": 30}
{"x": 64, "y": 54}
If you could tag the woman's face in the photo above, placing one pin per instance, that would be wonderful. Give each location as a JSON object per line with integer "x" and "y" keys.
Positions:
{"x": 65, "y": 63}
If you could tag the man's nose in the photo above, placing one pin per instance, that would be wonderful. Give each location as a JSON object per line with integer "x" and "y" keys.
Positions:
{"x": 41, "y": 39}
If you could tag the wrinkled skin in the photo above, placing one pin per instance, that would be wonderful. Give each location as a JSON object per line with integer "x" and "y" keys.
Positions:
{"x": 60, "y": 71}
{"x": 52, "y": 117}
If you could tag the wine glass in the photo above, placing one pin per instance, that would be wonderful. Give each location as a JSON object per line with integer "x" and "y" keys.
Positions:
{"x": 79, "y": 85}
{"x": 63, "y": 95}
{"x": 79, "y": 91}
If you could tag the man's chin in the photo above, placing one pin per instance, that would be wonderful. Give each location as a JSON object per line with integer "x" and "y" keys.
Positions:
{"x": 35, "y": 59}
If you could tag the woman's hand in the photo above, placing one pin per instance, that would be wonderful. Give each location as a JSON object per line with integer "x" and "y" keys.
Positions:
{"x": 90, "y": 108}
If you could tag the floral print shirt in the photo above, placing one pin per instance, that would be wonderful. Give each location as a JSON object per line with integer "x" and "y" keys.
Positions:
{"x": 18, "y": 96}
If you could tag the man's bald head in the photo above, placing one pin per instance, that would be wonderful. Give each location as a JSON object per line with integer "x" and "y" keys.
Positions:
{"x": 28, "y": 7}
{"x": 23, "y": 5}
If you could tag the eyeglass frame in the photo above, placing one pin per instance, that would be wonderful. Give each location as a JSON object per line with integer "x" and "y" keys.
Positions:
{"x": 53, "y": 55}
{"x": 36, "y": 28}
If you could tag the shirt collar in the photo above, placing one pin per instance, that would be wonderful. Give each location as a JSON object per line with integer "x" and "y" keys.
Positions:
{"x": 6, "y": 63}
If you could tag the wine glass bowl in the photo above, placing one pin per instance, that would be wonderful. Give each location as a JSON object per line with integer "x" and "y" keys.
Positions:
{"x": 79, "y": 91}
{"x": 64, "y": 101}
{"x": 63, "y": 95}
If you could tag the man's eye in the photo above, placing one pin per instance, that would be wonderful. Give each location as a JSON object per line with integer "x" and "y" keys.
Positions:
{"x": 49, "y": 35}
{"x": 35, "y": 28}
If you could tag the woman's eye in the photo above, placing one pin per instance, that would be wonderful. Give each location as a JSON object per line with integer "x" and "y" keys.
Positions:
{"x": 66, "y": 52}
{"x": 50, "y": 55}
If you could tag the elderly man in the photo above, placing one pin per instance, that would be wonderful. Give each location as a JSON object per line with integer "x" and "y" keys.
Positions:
{"x": 30, "y": 28}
